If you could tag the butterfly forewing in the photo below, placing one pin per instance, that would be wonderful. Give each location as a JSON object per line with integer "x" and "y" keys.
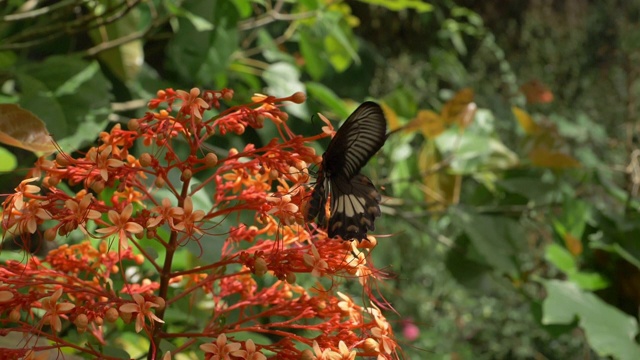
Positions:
{"x": 359, "y": 138}
{"x": 355, "y": 202}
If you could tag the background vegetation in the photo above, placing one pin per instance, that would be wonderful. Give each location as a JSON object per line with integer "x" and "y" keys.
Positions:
{"x": 512, "y": 195}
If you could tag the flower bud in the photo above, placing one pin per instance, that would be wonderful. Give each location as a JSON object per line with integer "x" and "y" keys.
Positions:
{"x": 53, "y": 181}
{"x": 111, "y": 315}
{"x": 298, "y": 97}
{"x": 133, "y": 125}
{"x": 98, "y": 320}
{"x": 50, "y": 234}
{"x": 227, "y": 95}
{"x": 5, "y": 296}
{"x": 307, "y": 355}
{"x": 186, "y": 175}
{"x": 62, "y": 159}
{"x": 159, "y": 182}
{"x": 290, "y": 277}
{"x": 14, "y": 315}
{"x": 98, "y": 186}
{"x": 371, "y": 346}
{"x": 145, "y": 159}
{"x": 81, "y": 321}
{"x": 260, "y": 266}
{"x": 211, "y": 160}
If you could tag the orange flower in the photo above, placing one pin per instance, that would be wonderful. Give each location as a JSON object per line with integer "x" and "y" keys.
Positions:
{"x": 250, "y": 353}
{"x": 192, "y": 102}
{"x": 220, "y": 349}
{"x": 166, "y": 212}
{"x": 143, "y": 309}
{"x": 316, "y": 262}
{"x": 121, "y": 225}
{"x": 54, "y": 310}
{"x": 21, "y": 190}
{"x": 345, "y": 353}
{"x": 103, "y": 162}
{"x": 189, "y": 217}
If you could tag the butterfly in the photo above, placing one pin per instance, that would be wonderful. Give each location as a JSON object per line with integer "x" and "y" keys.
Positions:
{"x": 355, "y": 202}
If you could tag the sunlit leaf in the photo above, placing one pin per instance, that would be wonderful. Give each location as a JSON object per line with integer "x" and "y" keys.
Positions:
{"x": 8, "y": 161}
{"x": 459, "y": 109}
{"x": 428, "y": 122}
{"x": 527, "y": 124}
{"x": 21, "y": 128}
{"x": 417, "y": 5}
{"x": 392, "y": 117}
{"x": 438, "y": 186}
{"x": 609, "y": 331}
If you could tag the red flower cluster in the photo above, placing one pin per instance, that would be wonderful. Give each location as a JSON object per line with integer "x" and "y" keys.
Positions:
{"x": 263, "y": 293}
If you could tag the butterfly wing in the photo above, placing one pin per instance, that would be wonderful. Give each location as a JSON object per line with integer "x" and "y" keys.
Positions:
{"x": 318, "y": 201}
{"x": 355, "y": 204}
{"x": 359, "y": 138}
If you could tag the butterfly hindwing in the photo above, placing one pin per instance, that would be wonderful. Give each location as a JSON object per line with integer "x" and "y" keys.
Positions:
{"x": 355, "y": 204}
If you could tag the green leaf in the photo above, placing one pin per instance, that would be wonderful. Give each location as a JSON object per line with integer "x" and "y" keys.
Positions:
{"x": 7, "y": 59}
{"x": 69, "y": 95}
{"x": 196, "y": 54}
{"x": 609, "y": 331}
{"x": 341, "y": 49}
{"x": 270, "y": 49}
{"x": 243, "y": 6}
{"x": 326, "y": 97}
{"x": 589, "y": 281}
{"x": 8, "y": 161}
{"x": 283, "y": 80}
{"x": 473, "y": 152}
{"x": 75, "y": 82}
{"x": 560, "y": 258}
{"x": 315, "y": 61}
{"x": 397, "y": 5}
{"x": 497, "y": 240}
{"x": 126, "y": 60}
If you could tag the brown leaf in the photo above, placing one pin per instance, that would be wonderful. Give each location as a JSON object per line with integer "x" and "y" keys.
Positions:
{"x": 553, "y": 159}
{"x": 23, "y": 129}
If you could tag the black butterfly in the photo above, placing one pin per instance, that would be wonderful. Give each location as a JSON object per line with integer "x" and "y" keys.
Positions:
{"x": 355, "y": 202}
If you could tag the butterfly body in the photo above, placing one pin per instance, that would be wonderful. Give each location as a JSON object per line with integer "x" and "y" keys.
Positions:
{"x": 355, "y": 202}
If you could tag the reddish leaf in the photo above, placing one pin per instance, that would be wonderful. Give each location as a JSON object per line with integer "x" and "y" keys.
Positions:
{"x": 536, "y": 92}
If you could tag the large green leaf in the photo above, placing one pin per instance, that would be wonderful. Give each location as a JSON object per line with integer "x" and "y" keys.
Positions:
{"x": 199, "y": 53}
{"x": 497, "y": 240}
{"x": 69, "y": 94}
{"x": 610, "y": 332}
{"x": 283, "y": 80}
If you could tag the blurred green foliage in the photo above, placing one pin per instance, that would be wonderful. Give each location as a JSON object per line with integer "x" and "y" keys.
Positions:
{"x": 512, "y": 208}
